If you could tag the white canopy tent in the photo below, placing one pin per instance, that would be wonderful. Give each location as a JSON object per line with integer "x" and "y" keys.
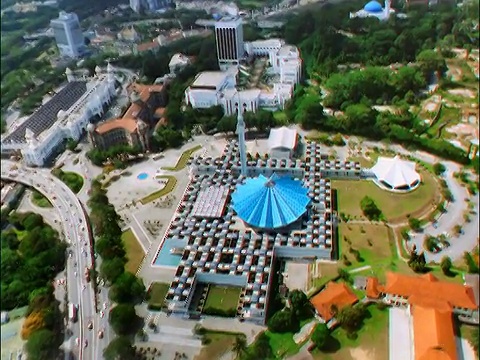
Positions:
{"x": 396, "y": 174}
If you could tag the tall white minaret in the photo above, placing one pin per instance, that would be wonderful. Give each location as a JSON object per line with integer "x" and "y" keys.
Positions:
{"x": 387, "y": 9}
{"x": 241, "y": 139}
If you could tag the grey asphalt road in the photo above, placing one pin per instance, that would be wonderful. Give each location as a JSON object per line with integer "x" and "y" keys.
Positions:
{"x": 77, "y": 235}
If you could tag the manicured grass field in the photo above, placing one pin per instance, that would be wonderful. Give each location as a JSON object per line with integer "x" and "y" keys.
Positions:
{"x": 171, "y": 183}
{"x": 40, "y": 200}
{"x": 222, "y": 297}
{"x": 218, "y": 345}
{"x": 364, "y": 163}
{"x": 158, "y": 291}
{"x": 372, "y": 342}
{"x": 182, "y": 162}
{"x": 374, "y": 242}
{"x": 135, "y": 253}
{"x": 394, "y": 206}
{"x": 282, "y": 344}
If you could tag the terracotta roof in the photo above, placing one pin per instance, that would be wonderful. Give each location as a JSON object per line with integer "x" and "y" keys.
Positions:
{"x": 433, "y": 336}
{"x": 339, "y": 295}
{"x": 159, "y": 112}
{"x": 133, "y": 111}
{"x": 144, "y": 91}
{"x": 428, "y": 286}
{"x": 148, "y": 46}
{"x": 373, "y": 288}
{"x": 128, "y": 124}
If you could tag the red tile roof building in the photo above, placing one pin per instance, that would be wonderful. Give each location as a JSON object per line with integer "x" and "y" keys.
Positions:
{"x": 335, "y": 296}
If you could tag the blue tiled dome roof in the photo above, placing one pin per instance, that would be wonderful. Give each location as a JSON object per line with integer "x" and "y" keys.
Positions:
{"x": 373, "y": 7}
{"x": 270, "y": 202}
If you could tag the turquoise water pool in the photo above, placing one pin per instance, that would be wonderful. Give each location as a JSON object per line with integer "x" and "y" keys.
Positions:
{"x": 165, "y": 258}
{"x": 142, "y": 176}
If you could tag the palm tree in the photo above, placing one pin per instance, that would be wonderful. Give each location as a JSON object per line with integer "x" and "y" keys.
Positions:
{"x": 240, "y": 345}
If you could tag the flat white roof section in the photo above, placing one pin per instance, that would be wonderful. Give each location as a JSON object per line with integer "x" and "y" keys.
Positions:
{"x": 282, "y": 138}
{"x": 211, "y": 202}
{"x": 209, "y": 79}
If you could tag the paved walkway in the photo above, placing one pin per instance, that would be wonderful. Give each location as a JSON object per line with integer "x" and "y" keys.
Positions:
{"x": 400, "y": 339}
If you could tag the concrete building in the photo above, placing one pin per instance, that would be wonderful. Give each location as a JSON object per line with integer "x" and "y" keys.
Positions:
{"x": 229, "y": 40}
{"x": 68, "y": 35}
{"x": 220, "y": 245}
{"x": 178, "y": 62}
{"x": 65, "y": 115}
{"x": 220, "y": 87}
{"x": 282, "y": 142}
{"x": 134, "y": 127}
{"x": 149, "y": 5}
{"x": 374, "y": 9}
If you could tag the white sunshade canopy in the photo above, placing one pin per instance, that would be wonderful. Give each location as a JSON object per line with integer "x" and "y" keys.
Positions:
{"x": 282, "y": 138}
{"x": 396, "y": 173}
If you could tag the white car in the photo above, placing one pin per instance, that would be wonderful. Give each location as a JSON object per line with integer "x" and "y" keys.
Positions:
{"x": 77, "y": 341}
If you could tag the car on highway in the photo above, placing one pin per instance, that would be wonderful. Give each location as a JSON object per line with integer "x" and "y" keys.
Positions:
{"x": 90, "y": 325}
{"x": 100, "y": 334}
{"x": 77, "y": 341}
{"x": 86, "y": 343}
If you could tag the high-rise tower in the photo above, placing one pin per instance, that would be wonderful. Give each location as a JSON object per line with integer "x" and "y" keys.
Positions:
{"x": 68, "y": 34}
{"x": 229, "y": 40}
{"x": 241, "y": 140}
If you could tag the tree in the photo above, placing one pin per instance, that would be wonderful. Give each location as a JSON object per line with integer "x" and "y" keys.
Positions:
{"x": 300, "y": 306}
{"x": 283, "y": 321}
{"x": 240, "y": 345}
{"x": 32, "y": 323}
{"x": 120, "y": 348}
{"x": 432, "y": 61}
{"x": 124, "y": 319}
{"x": 439, "y": 169}
{"x": 458, "y": 229}
{"x": 127, "y": 289}
{"x": 370, "y": 209}
{"x": 415, "y": 224}
{"x": 351, "y": 317}
{"x": 42, "y": 345}
{"x": 446, "y": 265}
{"x": 320, "y": 336}
{"x": 111, "y": 269}
{"x": 344, "y": 275}
{"x": 32, "y": 221}
{"x": 417, "y": 262}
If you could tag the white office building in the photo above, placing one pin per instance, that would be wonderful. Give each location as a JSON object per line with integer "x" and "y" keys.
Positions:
{"x": 68, "y": 34}
{"x": 229, "y": 40}
{"x": 212, "y": 88}
{"x": 65, "y": 115}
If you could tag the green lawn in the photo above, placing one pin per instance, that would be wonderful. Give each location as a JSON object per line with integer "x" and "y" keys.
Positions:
{"x": 135, "y": 253}
{"x": 171, "y": 183}
{"x": 39, "y": 200}
{"x": 218, "y": 344}
{"x": 182, "y": 162}
{"x": 371, "y": 343}
{"x": 394, "y": 206}
{"x": 222, "y": 297}
{"x": 158, "y": 291}
{"x": 374, "y": 242}
{"x": 282, "y": 344}
{"x": 364, "y": 163}
{"x": 73, "y": 180}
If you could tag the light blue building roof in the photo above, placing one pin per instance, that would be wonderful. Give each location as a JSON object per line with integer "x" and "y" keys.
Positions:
{"x": 270, "y": 202}
{"x": 373, "y": 7}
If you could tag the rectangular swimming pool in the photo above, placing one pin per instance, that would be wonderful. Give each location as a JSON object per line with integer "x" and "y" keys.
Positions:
{"x": 165, "y": 258}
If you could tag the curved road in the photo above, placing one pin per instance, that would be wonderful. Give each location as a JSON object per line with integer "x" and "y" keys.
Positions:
{"x": 77, "y": 234}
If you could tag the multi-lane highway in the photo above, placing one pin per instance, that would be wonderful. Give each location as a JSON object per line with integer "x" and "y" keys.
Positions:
{"x": 77, "y": 234}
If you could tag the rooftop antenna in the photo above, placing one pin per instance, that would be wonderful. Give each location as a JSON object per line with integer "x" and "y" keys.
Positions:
{"x": 241, "y": 138}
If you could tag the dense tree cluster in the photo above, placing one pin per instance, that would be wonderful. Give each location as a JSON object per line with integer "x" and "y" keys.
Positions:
{"x": 288, "y": 319}
{"x": 260, "y": 349}
{"x": 31, "y": 255}
{"x": 329, "y": 41}
{"x": 126, "y": 289}
{"x": 114, "y": 153}
{"x": 351, "y": 317}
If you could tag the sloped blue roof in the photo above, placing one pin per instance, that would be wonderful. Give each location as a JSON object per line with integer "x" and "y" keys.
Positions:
{"x": 270, "y": 202}
{"x": 373, "y": 7}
